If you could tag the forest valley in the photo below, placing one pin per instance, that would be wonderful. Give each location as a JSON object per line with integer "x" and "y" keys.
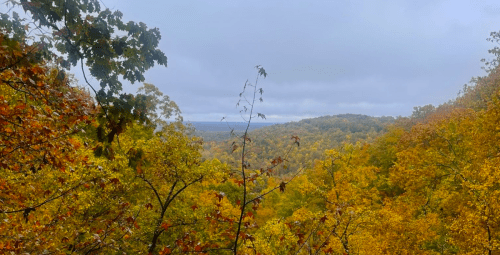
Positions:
{"x": 104, "y": 173}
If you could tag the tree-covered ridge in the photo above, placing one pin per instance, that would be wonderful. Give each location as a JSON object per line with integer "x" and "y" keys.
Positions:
{"x": 316, "y": 135}
{"x": 347, "y": 123}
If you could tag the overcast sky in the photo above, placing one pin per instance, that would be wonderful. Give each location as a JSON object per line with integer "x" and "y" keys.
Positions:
{"x": 322, "y": 57}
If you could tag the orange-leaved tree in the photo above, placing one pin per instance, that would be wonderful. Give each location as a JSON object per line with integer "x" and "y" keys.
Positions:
{"x": 40, "y": 116}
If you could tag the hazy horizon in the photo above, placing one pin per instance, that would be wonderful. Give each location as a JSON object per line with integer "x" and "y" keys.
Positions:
{"x": 322, "y": 57}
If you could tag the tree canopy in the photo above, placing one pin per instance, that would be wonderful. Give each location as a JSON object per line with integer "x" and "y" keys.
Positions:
{"x": 105, "y": 173}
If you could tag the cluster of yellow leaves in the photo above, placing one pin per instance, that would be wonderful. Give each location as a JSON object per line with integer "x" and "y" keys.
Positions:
{"x": 429, "y": 186}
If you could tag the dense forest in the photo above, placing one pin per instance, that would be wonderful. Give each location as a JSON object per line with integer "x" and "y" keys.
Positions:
{"x": 93, "y": 173}
{"x": 316, "y": 135}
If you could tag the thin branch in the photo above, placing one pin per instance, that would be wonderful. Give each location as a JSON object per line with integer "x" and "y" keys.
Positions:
{"x": 153, "y": 188}
{"x": 275, "y": 188}
{"x": 243, "y": 166}
{"x": 44, "y": 202}
{"x": 307, "y": 239}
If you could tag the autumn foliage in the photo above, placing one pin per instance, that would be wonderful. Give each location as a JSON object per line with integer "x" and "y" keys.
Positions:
{"x": 40, "y": 117}
{"x": 78, "y": 176}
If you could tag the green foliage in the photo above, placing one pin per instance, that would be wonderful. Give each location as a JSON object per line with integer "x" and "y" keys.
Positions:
{"x": 81, "y": 31}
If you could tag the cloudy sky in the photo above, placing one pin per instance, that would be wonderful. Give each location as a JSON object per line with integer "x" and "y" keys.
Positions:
{"x": 323, "y": 57}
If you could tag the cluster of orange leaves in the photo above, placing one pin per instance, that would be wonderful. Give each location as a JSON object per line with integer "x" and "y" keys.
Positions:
{"x": 39, "y": 115}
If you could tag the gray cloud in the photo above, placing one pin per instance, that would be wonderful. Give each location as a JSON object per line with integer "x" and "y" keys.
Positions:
{"x": 323, "y": 57}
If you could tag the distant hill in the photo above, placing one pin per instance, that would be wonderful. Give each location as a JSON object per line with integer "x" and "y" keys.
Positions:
{"x": 220, "y": 131}
{"x": 352, "y": 123}
{"x": 316, "y": 135}
{"x": 221, "y": 126}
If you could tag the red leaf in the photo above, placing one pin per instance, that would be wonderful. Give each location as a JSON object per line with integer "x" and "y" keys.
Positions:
{"x": 249, "y": 214}
{"x": 165, "y": 225}
{"x": 323, "y": 219}
{"x": 165, "y": 251}
{"x": 239, "y": 182}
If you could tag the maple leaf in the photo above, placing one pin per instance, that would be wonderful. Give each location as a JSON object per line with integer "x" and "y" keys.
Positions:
{"x": 165, "y": 225}
{"x": 323, "y": 219}
{"x": 234, "y": 147}
{"x": 239, "y": 182}
{"x": 165, "y": 251}
{"x": 282, "y": 186}
{"x": 249, "y": 214}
